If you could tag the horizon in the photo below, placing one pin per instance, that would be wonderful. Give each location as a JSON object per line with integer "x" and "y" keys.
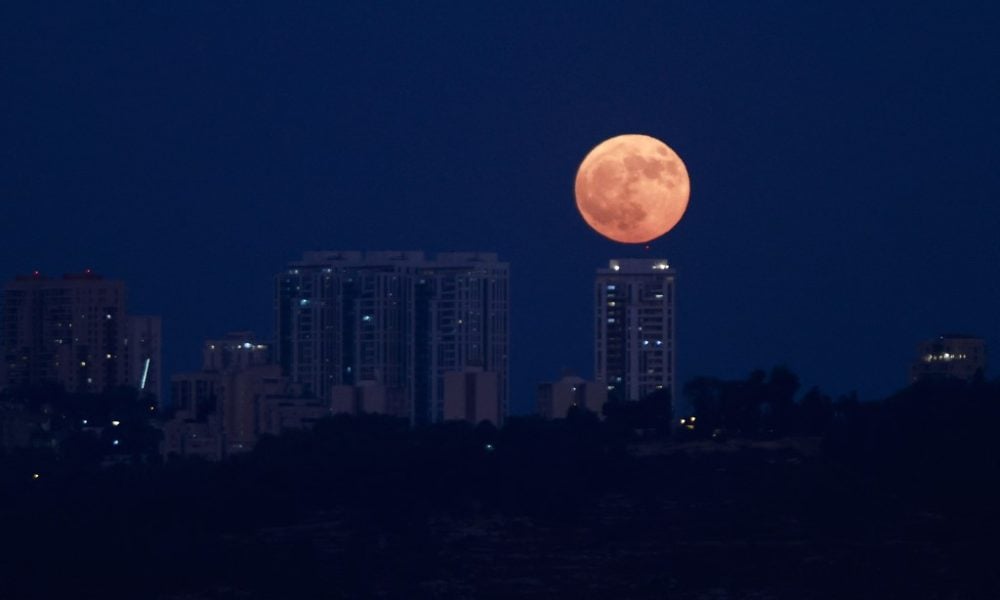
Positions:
{"x": 842, "y": 196}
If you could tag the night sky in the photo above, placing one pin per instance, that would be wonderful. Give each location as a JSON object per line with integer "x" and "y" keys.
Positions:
{"x": 843, "y": 162}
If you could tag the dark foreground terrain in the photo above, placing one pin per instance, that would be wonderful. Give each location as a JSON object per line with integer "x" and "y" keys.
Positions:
{"x": 752, "y": 523}
{"x": 683, "y": 520}
{"x": 832, "y": 500}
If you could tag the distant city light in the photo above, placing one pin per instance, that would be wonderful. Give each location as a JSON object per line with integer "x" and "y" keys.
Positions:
{"x": 35, "y": 475}
{"x": 114, "y": 443}
{"x": 115, "y": 423}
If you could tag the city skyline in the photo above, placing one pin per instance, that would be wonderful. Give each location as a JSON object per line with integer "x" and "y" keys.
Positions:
{"x": 499, "y": 300}
{"x": 843, "y": 206}
{"x": 145, "y": 372}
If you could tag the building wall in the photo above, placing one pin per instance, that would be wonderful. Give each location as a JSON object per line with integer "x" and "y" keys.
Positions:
{"x": 470, "y": 321}
{"x": 369, "y": 397}
{"x": 243, "y": 393}
{"x": 472, "y": 395}
{"x": 396, "y": 318}
{"x": 635, "y": 348}
{"x": 69, "y": 330}
{"x": 196, "y": 393}
{"x": 279, "y": 414}
{"x": 556, "y": 398}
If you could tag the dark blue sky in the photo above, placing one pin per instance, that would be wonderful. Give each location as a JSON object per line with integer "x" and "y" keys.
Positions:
{"x": 845, "y": 189}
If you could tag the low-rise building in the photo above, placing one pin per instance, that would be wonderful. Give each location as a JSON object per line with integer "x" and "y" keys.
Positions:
{"x": 186, "y": 435}
{"x": 472, "y": 395}
{"x": 950, "y": 355}
{"x": 278, "y": 415}
{"x": 236, "y": 397}
{"x": 369, "y": 397}
{"x": 554, "y": 399}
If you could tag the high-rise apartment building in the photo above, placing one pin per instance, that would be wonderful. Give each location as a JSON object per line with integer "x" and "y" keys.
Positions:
{"x": 74, "y": 331}
{"x": 398, "y": 319}
{"x": 635, "y": 349}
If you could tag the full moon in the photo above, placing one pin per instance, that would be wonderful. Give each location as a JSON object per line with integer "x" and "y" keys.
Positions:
{"x": 632, "y": 188}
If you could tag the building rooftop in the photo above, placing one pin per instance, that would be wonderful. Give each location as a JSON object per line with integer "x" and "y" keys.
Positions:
{"x": 636, "y": 266}
{"x": 392, "y": 257}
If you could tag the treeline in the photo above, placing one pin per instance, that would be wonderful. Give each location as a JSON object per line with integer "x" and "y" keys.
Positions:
{"x": 146, "y": 528}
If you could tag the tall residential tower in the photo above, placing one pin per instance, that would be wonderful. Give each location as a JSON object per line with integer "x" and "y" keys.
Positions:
{"x": 75, "y": 331}
{"x": 635, "y": 348}
{"x": 400, "y": 320}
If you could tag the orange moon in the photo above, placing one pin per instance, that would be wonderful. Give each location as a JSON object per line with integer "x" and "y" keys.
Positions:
{"x": 632, "y": 188}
